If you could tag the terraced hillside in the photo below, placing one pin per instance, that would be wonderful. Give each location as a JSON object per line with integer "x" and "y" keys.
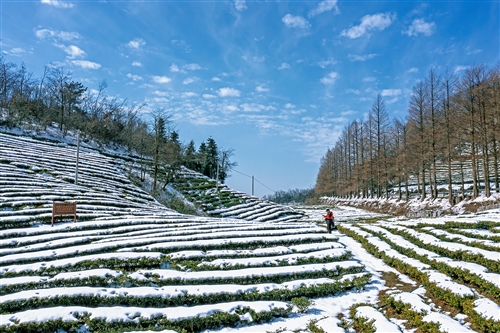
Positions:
{"x": 219, "y": 200}
{"x": 35, "y": 173}
{"x": 130, "y": 264}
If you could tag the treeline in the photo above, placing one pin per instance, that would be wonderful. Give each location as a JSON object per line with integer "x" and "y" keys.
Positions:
{"x": 56, "y": 98}
{"x": 450, "y": 136}
{"x": 291, "y": 196}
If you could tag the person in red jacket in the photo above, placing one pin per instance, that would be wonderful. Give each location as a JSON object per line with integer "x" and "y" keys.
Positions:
{"x": 329, "y": 221}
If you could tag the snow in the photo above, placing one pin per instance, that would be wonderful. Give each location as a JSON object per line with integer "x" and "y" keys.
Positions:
{"x": 122, "y": 223}
{"x": 117, "y": 313}
{"x": 381, "y": 324}
{"x": 416, "y": 302}
{"x": 164, "y": 274}
{"x": 167, "y": 291}
{"x": 290, "y": 258}
{"x": 446, "y": 323}
{"x": 487, "y": 309}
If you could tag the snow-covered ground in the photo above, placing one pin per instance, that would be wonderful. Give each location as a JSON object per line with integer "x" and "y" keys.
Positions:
{"x": 129, "y": 260}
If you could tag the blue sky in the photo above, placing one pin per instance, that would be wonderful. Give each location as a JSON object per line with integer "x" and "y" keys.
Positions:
{"x": 277, "y": 81}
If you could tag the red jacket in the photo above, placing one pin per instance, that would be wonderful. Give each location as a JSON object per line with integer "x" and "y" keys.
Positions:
{"x": 329, "y": 216}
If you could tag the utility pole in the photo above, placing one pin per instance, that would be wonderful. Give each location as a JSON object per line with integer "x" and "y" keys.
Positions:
{"x": 252, "y": 185}
{"x": 217, "y": 178}
{"x": 77, "y": 156}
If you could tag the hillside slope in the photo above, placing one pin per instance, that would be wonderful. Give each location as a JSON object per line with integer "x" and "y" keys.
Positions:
{"x": 34, "y": 173}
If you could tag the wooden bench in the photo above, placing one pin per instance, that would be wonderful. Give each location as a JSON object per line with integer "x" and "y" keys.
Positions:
{"x": 60, "y": 208}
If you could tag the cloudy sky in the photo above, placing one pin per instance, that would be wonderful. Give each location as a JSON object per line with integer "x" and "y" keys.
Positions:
{"x": 277, "y": 81}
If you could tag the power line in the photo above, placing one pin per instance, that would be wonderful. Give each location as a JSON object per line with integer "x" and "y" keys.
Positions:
{"x": 241, "y": 173}
{"x": 264, "y": 185}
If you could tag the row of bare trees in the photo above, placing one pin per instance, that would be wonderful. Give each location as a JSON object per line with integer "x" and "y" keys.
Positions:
{"x": 448, "y": 143}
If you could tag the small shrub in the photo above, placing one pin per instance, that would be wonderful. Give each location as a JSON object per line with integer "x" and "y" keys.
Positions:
{"x": 302, "y": 303}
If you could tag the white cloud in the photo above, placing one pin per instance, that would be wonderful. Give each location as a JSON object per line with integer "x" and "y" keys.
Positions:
{"x": 174, "y": 68}
{"x": 330, "y": 78}
{"x": 369, "y": 79}
{"x": 190, "y": 80}
{"x": 215, "y": 78}
{"x": 254, "y": 107}
{"x": 352, "y": 91}
{"x": 259, "y": 59}
{"x": 136, "y": 64}
{"x": 289, "y": 106}
{"x": 329, "y": 61}
{"x": 354, "y": 57}
{"x": 62, "y": 35}
{"x": 369, "y": 23}
{"x": 57, "y": 3}
{"x": 240, "y": 5}
{"x": 16, "y": 52}
{"x": 181, "y": 45}
{"x": 419, "y": 26}
{"x": 134, "y": 77}
{"x": 209, "y": 96}
{"x": 86, "y": 64}
{"x": 284, "y": 65}
{"x": 230, "y": 108}
{"x": 189, "y": 94}
{"x": 347, "y": 113}
{"x": 192, "y": 67}
{"x": 459, "y": 69}
{"x": 325, "y": 6}
{"x": 261, "y": 89}
{"x": 295, "y": 21}
{"x": 161, "y": 79}
{"x": 136, "y": 43}
{"x": 474, "y": 51}
{"x": 72, "y": 50}
{"x": 390, "y": 92}
{"x": 412, "y": 70}
{"x": 228, "y": 92}
{"x": 161, "y": 93}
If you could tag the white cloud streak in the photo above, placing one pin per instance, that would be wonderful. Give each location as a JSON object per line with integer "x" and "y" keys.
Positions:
{"x": 72, "y": 51}
{"x": 161, "y": 79}
{"x": 354, "y": 57}
{"x": 390, "y": 92}
{"x": 134, "y": 77}
{"x": 86, "y": 64}
{"x": 325, "y": 6}
{"x": 16, "y": 52}
{"x": 228, "y": 92}
{"x": 369, "y": 23}
{"x": 420, "y": 27}
{"x": 240, "y": 5}
{"x": 295, "y": 21}
{"x": 56, "y": 34}
{"x": 284, "y": 65}
{"x": 57, "y": 3}
{"x": 136, "y": 43}
{"x": 190, "y": 80}
{"x": 330, "y": 78}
